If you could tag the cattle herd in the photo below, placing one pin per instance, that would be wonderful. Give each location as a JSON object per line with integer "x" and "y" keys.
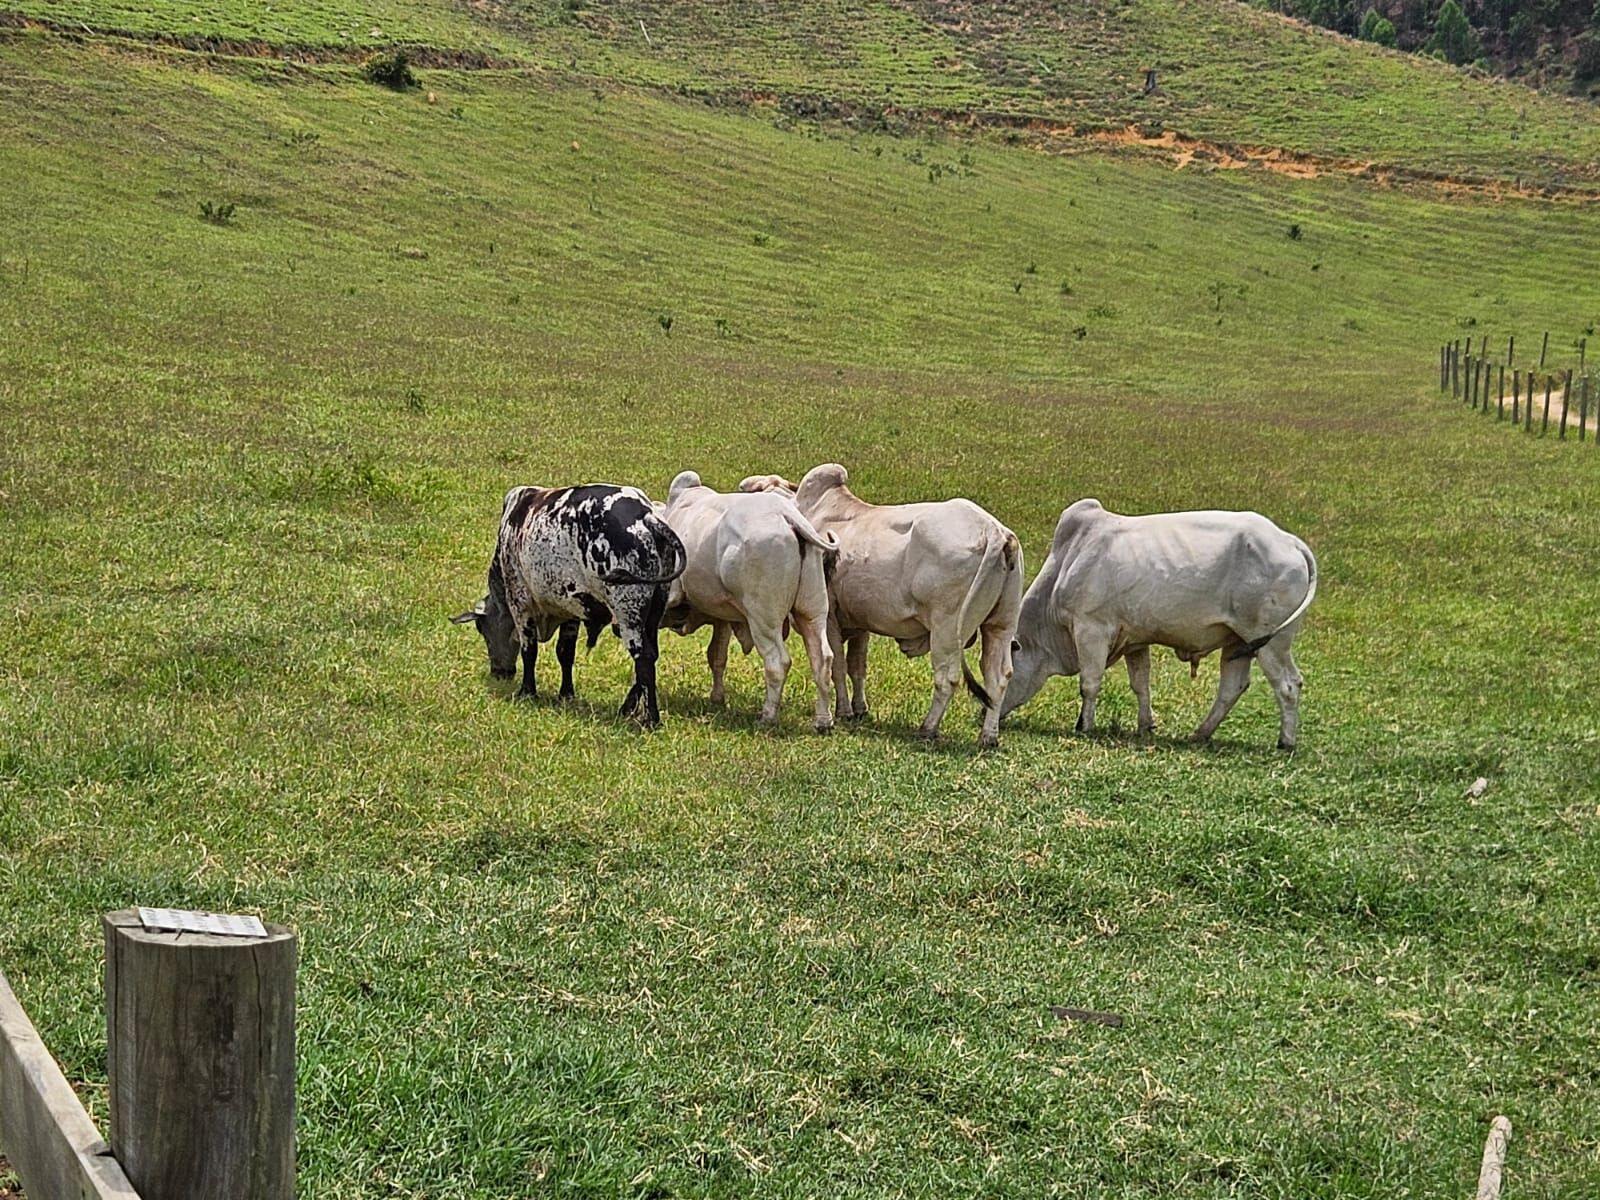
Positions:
{"x": 935, "y": 577}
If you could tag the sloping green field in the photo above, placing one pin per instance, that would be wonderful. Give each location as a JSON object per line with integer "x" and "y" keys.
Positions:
{"x": 247, "y": 470}
{"x": 1227, "y": 72}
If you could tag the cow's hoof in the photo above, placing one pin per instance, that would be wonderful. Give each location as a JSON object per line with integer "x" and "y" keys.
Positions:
{"x": 854, "y": 717}
{"x": 525, "y": 694}
{"x": 566, "y": 697}
{"x": 1283, "y": 745}
{"x": 764, "y": 722}
{"x": 717, "y": 700}
{"x": 1199, "y": 739}
{"x": 988, "y": 741}
{"x": 824, "y": 725}
{"x": 928, "y": 735}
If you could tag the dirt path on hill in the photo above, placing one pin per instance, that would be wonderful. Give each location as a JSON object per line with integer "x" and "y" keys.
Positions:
{"x": 1041, "y": 133}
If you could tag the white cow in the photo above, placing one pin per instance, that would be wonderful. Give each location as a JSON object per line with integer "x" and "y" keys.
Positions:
{"x": 1114, "y": 586}
{"x": 755, "y": 564}
{"x": 932, "y": 576}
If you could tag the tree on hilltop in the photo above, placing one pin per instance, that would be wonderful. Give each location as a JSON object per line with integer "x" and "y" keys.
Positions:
{"x": 1375, "y": 27}
{"x": 1453, "y": 38}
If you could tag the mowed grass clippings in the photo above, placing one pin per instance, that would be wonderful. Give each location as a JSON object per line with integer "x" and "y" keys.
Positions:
{"x": 249, "y": 469}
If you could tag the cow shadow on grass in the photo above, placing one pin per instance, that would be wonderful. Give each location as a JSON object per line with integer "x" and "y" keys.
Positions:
{"x": 1115, "y": 733}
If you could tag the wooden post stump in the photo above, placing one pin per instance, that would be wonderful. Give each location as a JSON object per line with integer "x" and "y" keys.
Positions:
{"x": 1566, "y": 403}
{"x": 1500, "y": 411}
{"x": 200, "y": 1043}
{"x": 1492, "y": 1171}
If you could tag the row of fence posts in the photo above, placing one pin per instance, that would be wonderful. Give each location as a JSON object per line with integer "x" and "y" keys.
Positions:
{"x": 1472, "y": 377}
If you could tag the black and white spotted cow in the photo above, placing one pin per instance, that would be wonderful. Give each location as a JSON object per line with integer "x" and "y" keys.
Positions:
{"x": 595, "y": 554}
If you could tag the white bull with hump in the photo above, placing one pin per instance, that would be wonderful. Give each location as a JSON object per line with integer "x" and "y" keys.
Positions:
{"x": 754, "y": 566}
{"x": 933, "y": 576}
{"x": 1113, "y": 586}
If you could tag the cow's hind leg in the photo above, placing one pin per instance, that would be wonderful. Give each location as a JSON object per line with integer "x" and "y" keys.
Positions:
{"x": 944, "y": 648}
{"x": 1235, "y": 679}
{"x": 775, "y": 663}
{"x": 821, "y": 659}
{"x": 857, "y": 665}
{"x": 841, "y": 681}
{"x": 717, "y": 660}
{"x": 996, "y": 678}
{"x": 1139, "y": 681}
{"x": 1277, "y": 664}
{"x": 639, "y": 621}
{"x": 566, "y": 652}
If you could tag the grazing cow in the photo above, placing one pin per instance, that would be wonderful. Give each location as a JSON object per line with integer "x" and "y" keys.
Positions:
{"x": 596, "y": 554}
{"x": 1114, "y": 586}
{"x": 755, "y": 564}
{"x": 932, "y": 576}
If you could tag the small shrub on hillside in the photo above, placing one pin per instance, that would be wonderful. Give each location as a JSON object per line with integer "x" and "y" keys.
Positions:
{"x": 220, "y": 213}
{"x": 1295, "y": 232}
{"x": 390, "y": 69}
{"x": 1066, "y": 288}
{"x": 665, "y": 321}
{"x": 304, "y": 137}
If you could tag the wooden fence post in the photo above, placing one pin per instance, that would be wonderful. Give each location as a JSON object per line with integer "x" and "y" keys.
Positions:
{"x": 1441, "y": 368}
{"x": 1491, "y": 1170}
{"x": 1511, "y": 350}
{"x": 44, "y": 1131}
{"x": 1544, "y": 422}
{"x": 1527, "y": 409}
{"x": 1566, "y": 402}
{"x": 1483, "y": 346}
{"x": 1500, "y": 412}
{"x": 1543, "y": 347}
{"x": 200, "y": 1049}
{"x": 1516, "y": 395}
{"x": 1583, "y": 411}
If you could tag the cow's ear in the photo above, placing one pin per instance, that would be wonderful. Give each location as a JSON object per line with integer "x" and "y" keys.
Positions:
{"x": 472, "y": 614}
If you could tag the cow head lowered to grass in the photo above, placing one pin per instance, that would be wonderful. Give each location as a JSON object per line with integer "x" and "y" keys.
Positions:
{"x": 594, "y": 554}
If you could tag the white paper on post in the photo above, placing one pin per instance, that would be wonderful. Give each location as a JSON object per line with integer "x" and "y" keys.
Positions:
{"x": 181, "y": 920}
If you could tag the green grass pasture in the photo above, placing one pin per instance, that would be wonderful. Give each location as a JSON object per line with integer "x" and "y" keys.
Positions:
{"x": 1228, "y": 72}
{"x": 247, "y": 471}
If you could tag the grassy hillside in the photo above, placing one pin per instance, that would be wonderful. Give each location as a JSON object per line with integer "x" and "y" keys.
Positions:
{"x": 248, "y": 470}
{"x": 1227, "y": 72}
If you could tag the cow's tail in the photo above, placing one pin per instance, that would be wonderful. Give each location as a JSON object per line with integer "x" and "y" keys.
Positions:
{"x": 807, "y": 534}
{"x": 664, "y": 537}
{"x": 1008, "y": 551}
{"x": 1300, "y": 610}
